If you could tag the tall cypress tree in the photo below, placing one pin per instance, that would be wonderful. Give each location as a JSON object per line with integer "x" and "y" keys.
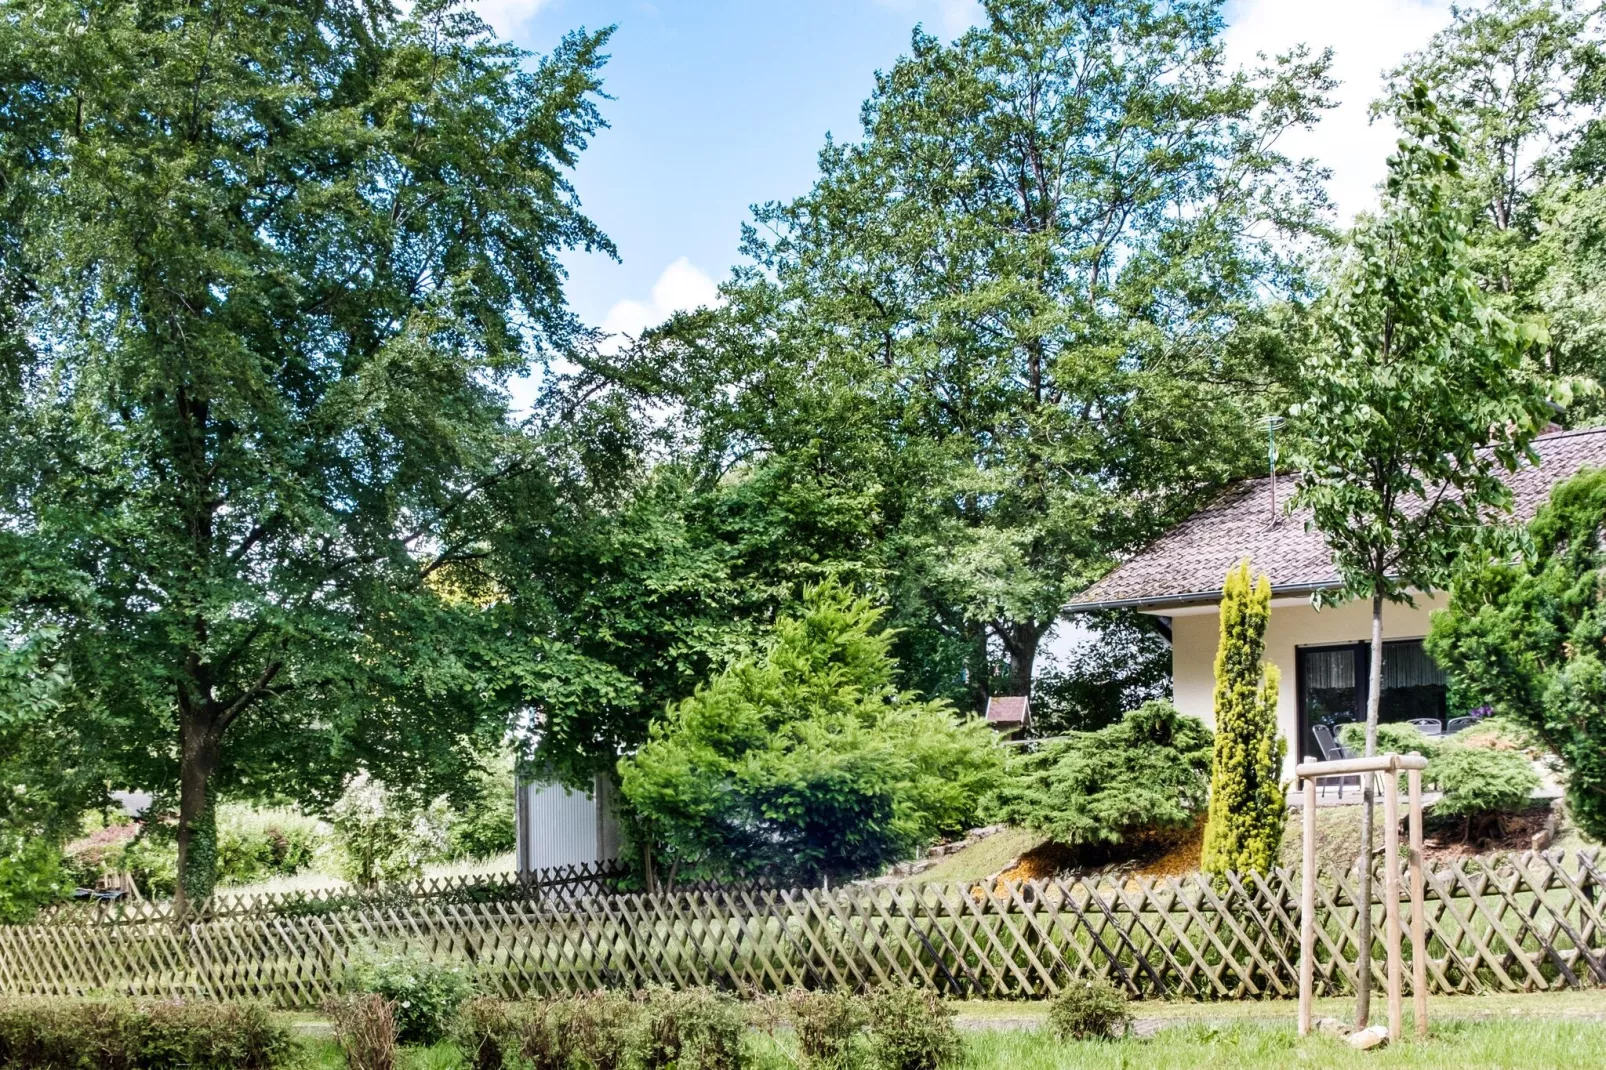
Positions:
{"x": 1247, "y": 807}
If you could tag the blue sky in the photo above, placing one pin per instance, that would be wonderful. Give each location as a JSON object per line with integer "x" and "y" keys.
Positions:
{"x": 720, "y": 104}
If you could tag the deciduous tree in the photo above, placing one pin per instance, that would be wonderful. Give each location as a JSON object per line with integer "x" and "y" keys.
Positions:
{"x": 268, "y": 268}
{"x": 1420, "y": 392}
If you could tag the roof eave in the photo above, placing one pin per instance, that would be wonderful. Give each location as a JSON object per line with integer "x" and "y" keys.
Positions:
{"x": 1182, "y": 601}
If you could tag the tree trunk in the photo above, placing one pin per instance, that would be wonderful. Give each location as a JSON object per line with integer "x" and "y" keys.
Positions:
{"x": 200, "y": 745}
{"x": 1374, "y": 696}
{"x": 1022, "y": 650}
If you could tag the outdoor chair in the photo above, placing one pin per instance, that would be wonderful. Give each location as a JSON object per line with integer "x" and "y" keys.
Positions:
{"x": 1332, "y": 751}
{"x": 1458, "y": 723}
{"x": 1428, "y": 726}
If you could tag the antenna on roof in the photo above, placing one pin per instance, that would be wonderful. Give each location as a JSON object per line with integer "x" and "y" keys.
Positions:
{"x": 1272, "y": 424}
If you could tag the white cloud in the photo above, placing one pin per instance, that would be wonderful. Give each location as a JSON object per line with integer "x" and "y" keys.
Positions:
{"x": 508, "y": 16}
{"x": 1368, "y": 37}
{"x": 682, "y": 286}
{"x": 947, "y": 18}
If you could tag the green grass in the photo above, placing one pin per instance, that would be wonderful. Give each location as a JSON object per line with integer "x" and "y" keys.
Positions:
{"x": 1569, "y": 1003}
{"x": 981, "y": 859}
{"x": 1462, "y": 1045}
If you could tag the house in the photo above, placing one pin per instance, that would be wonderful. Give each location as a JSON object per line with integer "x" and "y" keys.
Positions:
{"x": 1008, "y": 714}
{"x": 1324, "y": 654}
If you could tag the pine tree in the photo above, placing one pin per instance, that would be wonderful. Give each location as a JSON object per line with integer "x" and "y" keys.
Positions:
{"x": 1247, "y": 807}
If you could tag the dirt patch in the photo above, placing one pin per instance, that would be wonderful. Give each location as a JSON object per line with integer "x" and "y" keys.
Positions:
{"x": 1446, "y": 840}
{"x": 1153, "y": 853}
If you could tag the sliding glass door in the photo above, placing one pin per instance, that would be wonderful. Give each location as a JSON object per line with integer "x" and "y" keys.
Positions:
{"x": 1331, "y": 686}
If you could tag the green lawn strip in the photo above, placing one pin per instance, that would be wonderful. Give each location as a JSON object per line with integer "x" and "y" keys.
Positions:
{"x": 1551, "y": 1005}
{"x": 981, "y": 859}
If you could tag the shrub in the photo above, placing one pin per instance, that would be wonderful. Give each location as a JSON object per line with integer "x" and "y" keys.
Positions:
{"x": 691, "y": 1029}
{"x": 259, "y": 844}
{"x": 60, "y": 1034}
{"x": 426, "y": 994}
{"x": 1247, "y": 804}
{"x": 912, "y": 1029}
{"x": 382, "y": 836}
{"x": 586, "y": 1032}
{"x": 1398, "y": 738}
{"x": 486, "y": 1032}
{"x": 807, "y": 760}
{"x": 1091, "y": 1009}
{"x": 828, "y": 1025}
{"x": 1152, "y": 770}
{"x": 600, "y": 1027}
{"x": 1480, "y": 783}
{"x": 485, "y": 827}
{"x": 365, "y": 1029}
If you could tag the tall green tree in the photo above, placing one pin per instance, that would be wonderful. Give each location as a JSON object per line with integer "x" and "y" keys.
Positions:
{"x": 1029, "y": 310}
{"x": 807, "y": 760}
{"x": 270, "y": 267}
{"x": 1523, "y": 633}
{"x": 1524, "y": 78}
{"x": 1418, "y": 395}
{"x": 1247, "y": 804}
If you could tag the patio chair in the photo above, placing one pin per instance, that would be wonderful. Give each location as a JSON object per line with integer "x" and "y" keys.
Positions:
{"x": 1332, "y": 750}
{"x": 1458, "y": 723}
{"x": 1428, "y": 726}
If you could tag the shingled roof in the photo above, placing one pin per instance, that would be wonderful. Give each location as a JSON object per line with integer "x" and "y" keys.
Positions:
{"x": 1185, "y": 566}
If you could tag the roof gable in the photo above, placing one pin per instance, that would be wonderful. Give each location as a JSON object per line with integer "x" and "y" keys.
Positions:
{"x": 1186, "y": 565}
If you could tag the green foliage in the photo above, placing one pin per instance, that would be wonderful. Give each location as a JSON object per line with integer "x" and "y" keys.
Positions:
{"x": 1523, "y": 79}
{"x": 912, "y": 1029}
{"x": 258, "y": 326}
{"x": 987, "y": 388}
{"x": 382, "y": 835}
{"x": 1391, "y": 739}
{"x": 1481, "y": 781}
{"x": 689, "y": 1029}
{"x": 1523, "y": 633}
{"x": 828, "y": 1024}
{"x": 483, "y": 826}
{"x": 1125, "y": 662}
{"x": 255, "y": 844}
{"x": 808, "y": 760}
{"x": 83, "y": 1034}
{"x": 1247, "y": 804}
{"x": 592, "y": 1031}
{"x": 1093, "y": 1009}
{"x": 1151, "y": 770}
{"x": 425, "y": 994}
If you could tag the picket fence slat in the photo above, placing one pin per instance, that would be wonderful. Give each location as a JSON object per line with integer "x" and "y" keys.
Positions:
{"x": 1501, "y": 923}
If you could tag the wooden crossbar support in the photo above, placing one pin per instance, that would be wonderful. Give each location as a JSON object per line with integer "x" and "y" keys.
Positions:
{"x": 1389, "y": 766}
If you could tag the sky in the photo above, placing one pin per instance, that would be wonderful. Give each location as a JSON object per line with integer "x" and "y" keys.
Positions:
{"x": 721, "y": 104}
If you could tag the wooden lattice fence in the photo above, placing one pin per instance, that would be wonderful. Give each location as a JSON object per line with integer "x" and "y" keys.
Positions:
{"x": 1502, "y": 924}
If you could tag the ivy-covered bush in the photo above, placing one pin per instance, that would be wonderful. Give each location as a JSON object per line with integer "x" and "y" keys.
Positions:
{"x": 912, "y": 1029}
{"x": 80, "y": 1034}
{"x": 1149, "y": 771}
{"x": 1093, "y": 1009}
{"x": 1480, "y": 784}
{"x": 426, "y": 994}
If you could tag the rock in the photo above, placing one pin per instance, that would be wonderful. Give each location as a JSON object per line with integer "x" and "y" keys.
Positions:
{"x": 1371, "y": 1037}
{"x": 1333, "y": 1027}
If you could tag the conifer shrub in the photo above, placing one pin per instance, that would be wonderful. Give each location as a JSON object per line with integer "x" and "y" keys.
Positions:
{"x": 912, "y": 1029}
{"x": 112, "y": 1034}
{"x": 1396, "y": 738}
{"x": 1091, "y": 1009}
{"x": 1148, "y": 772}
{"x": 1247, "y": 804}
{"x": 1480, "y": 785}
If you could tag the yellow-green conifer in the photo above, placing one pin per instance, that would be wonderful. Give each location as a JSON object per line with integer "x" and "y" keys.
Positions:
{"x": 1247, "y": 807}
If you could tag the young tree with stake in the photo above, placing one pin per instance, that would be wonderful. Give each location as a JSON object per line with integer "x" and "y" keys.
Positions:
{"x": 1418, "y": 395}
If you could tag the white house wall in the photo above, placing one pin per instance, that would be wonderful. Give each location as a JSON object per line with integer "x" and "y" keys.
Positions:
{"x": 1195, "y": 634}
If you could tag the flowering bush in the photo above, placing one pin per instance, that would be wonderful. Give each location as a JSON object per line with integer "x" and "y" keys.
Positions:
{"x": 381, "y": 836}
{"x": 425, "y": 995}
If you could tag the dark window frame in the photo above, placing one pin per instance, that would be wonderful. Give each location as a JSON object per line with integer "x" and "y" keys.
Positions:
{"x": 1363, "y": 663}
